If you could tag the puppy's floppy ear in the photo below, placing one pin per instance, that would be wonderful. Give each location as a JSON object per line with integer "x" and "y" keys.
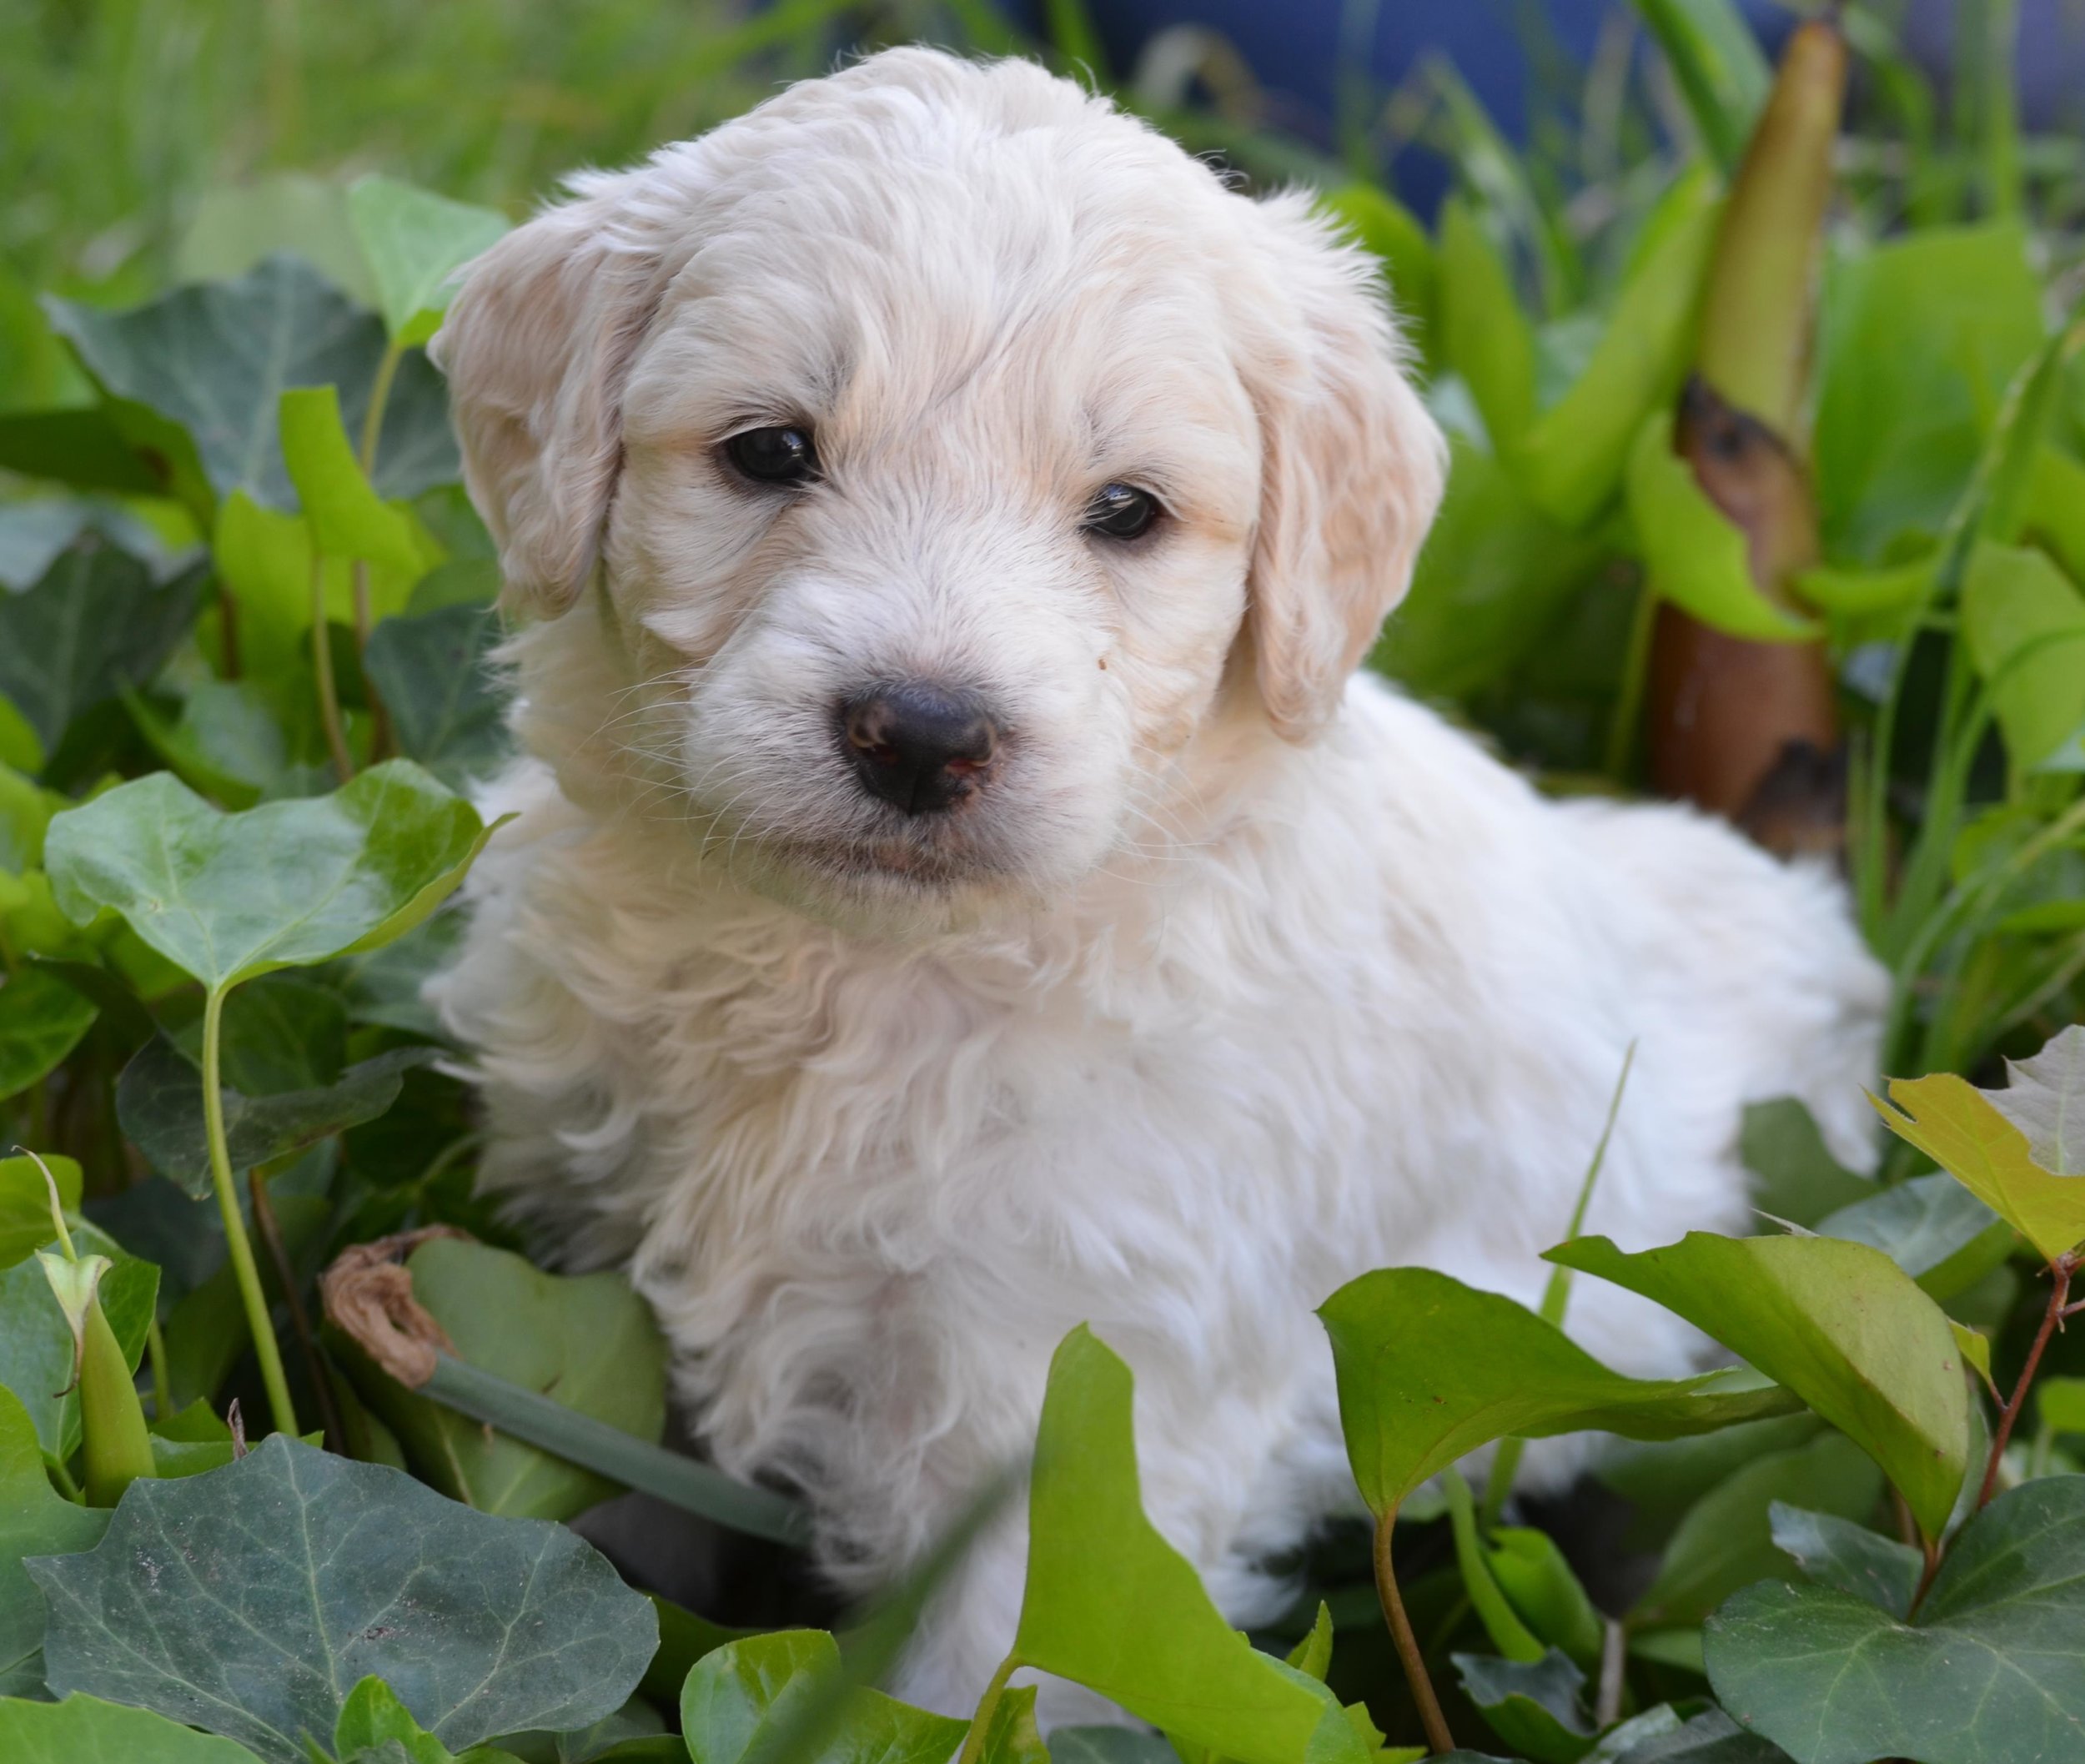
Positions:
{"x": 536, "y": 348}
{"x": 1352, "y": 468}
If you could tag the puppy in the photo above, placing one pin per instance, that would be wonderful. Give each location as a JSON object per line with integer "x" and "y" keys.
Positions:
{"x": 962, "y": 887}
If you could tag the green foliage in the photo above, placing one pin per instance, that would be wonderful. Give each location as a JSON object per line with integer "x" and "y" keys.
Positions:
{"x": 244, "y": 649}
{"x": 341, "y": 1570}
{"x": 1991, "y": 1670}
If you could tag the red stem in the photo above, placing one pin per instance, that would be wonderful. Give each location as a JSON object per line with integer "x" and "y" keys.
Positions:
{"x": 2061, "y": 1270}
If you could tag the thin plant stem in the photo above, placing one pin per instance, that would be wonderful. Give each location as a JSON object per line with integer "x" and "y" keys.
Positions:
{"x": 236, "y": 1244}
{"x": 63, "y": 1478}
{"x": 981, "y": 1722}
{"x": 1556, "y": 1298}
{"x": 228, "y": 628}
{"x": 1407, "y": 1644}
{"x": 321, "y": 665}
{"x": 372, "y": 433}
{"x": 162, "y": 1382}
{"x": 271, "y": 1238}
{"x": 2060, "y": 1271}
{"x": 1635, "y": 671}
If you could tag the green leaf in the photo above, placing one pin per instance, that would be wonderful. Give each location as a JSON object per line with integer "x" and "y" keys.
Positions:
{"x": 1312, "y": 1656}
{"x": 1963, "y": 1131}
{"x": 1534, "y": 1707}
{"x": 1011, "y": 1735}
{"x": 232, "y": 226}
{"x": 1509, "y": 1634}
{"x": 42, "y": 1020}
{"x": 1573, "y": 458}
{"x": 372, "y": 1719}
{"x": 1993, "y": 1672}
{"x": 1932, "y": 1227}
{"x": 1838, "y": 1324}
{"x": 1917, "y": 340}
{"x": 84, "y": 1730}
{"x": 1492, "y": 578}
{"x": 738, "y": 1699}
{"x": 1485, "y": 337}
{"x": 25, "y": 1203}
{"x": 212, "y": 361}
{"x": 1726, "y": 1539}
{"x": 1711, "y": 1738}
{"x": 1110, "y": 1746}
{"x": 2024, "y": 622}
{"x": 1111, "y": 1605}
{"x": 1694, "y": 556}
{"x": 431, "y": 672}
{"x": 414, "y": 242}
{"x": 95, "y": 624}
{"x": 1835, "y": 1552}
{"x": 82, "y": 447}
{"x": 588, "y": 1341}
{"x": 2052, "y": 512}
{"x": 229, "y": 897}
{"x": 36, "y": 1347}
{"x": 683, "y": 1638}
{"x": 1718, "y": 66}
{"x": 1533, "y": 1574}
{"x": 1430, "y": 1369}
{"x": 159, "y": 1103}
{"x": 248, "y": 1599}
{"x": 348, "y": 518}
{"x": 34, "y": 1521}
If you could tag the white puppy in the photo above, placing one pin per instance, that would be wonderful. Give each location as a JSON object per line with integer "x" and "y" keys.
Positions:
{"x": 961, "y": 887}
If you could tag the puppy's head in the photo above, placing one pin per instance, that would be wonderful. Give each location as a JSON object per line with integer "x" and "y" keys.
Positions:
{"x": 936, "y": 436}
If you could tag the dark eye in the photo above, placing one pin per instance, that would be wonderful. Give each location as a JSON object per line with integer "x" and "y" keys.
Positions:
{"x": 774, "y": 455}
{"x": 1121, "y": 512}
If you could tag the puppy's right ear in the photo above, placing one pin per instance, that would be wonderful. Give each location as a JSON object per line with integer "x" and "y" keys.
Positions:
{"x": 536, "y": 347}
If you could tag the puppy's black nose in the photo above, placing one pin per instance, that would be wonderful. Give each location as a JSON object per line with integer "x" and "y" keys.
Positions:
{"x": 919, "y": 747}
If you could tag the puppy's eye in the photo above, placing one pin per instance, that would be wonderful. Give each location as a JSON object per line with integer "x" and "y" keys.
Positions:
{"x": 1121, "y": 512}
{"x": 774, "y": 455}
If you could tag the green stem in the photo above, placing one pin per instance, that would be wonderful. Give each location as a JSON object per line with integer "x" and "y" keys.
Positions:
{"x": 1635, "y": 671}
{"x": 321, "y": 665}
{"x": 981, "y": 1722}
{"x": 63, "y": 1478}
{"x": 373, "y": 418}
{"x": 162, "y": 1381}
{"x": 236, "y": 1244}
{"x": 1408, "y": 1655}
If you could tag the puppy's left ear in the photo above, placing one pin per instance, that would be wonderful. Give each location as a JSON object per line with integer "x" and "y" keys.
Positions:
{"x": 1352, "y": 467}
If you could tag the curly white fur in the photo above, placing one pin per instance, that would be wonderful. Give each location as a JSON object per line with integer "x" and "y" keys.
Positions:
{"x": 1238, "y": 977}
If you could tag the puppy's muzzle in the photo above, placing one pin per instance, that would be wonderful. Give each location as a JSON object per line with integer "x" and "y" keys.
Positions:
{"x": 920, "y": 748}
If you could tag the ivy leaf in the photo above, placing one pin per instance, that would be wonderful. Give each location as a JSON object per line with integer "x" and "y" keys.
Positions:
{"x": 1843, "y": 1553}
{"x": 159, "y": 1105}
{"x": 1430, "y": 1369}
{"x": 348, "y": 518}
{"x": 1962, "y": 1129}
{"x": 42, "y": 1020}
{"x": 1993, "y": 1672}
{"x": 1711, "y": 1738}
{"x": 289, "y": 884}
{"x": 244, "y": 1600}
{"x": 1794, "y": 1173}
{"x": 586, "y": 1340}
{"x": 1694, "y": 556}
{"x": 1534, "y": 1706}
{"x": 84, "y": 1730}
{"x": 2046, "y": 1101}
{"x": 414, "y": 242}
{"x": 1932, "y": 1227}
{"x": 1839, "y": 1323}
{"x": 740, "y": 1697}
{"x": 35, "y": 1519}
{"x": 430, "y": 670}
{"x": 211, "y": 361}
{"x": 1011, "y": 1735}
{"x": 36, "y": 1344}
{"x": 1112, "y": 1605}
{"x": 95, "y": 624}
{"x": 1110, "y": 1746}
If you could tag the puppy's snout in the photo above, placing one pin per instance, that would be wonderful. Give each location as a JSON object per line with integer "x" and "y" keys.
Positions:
{"x": 919, "y": 747}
